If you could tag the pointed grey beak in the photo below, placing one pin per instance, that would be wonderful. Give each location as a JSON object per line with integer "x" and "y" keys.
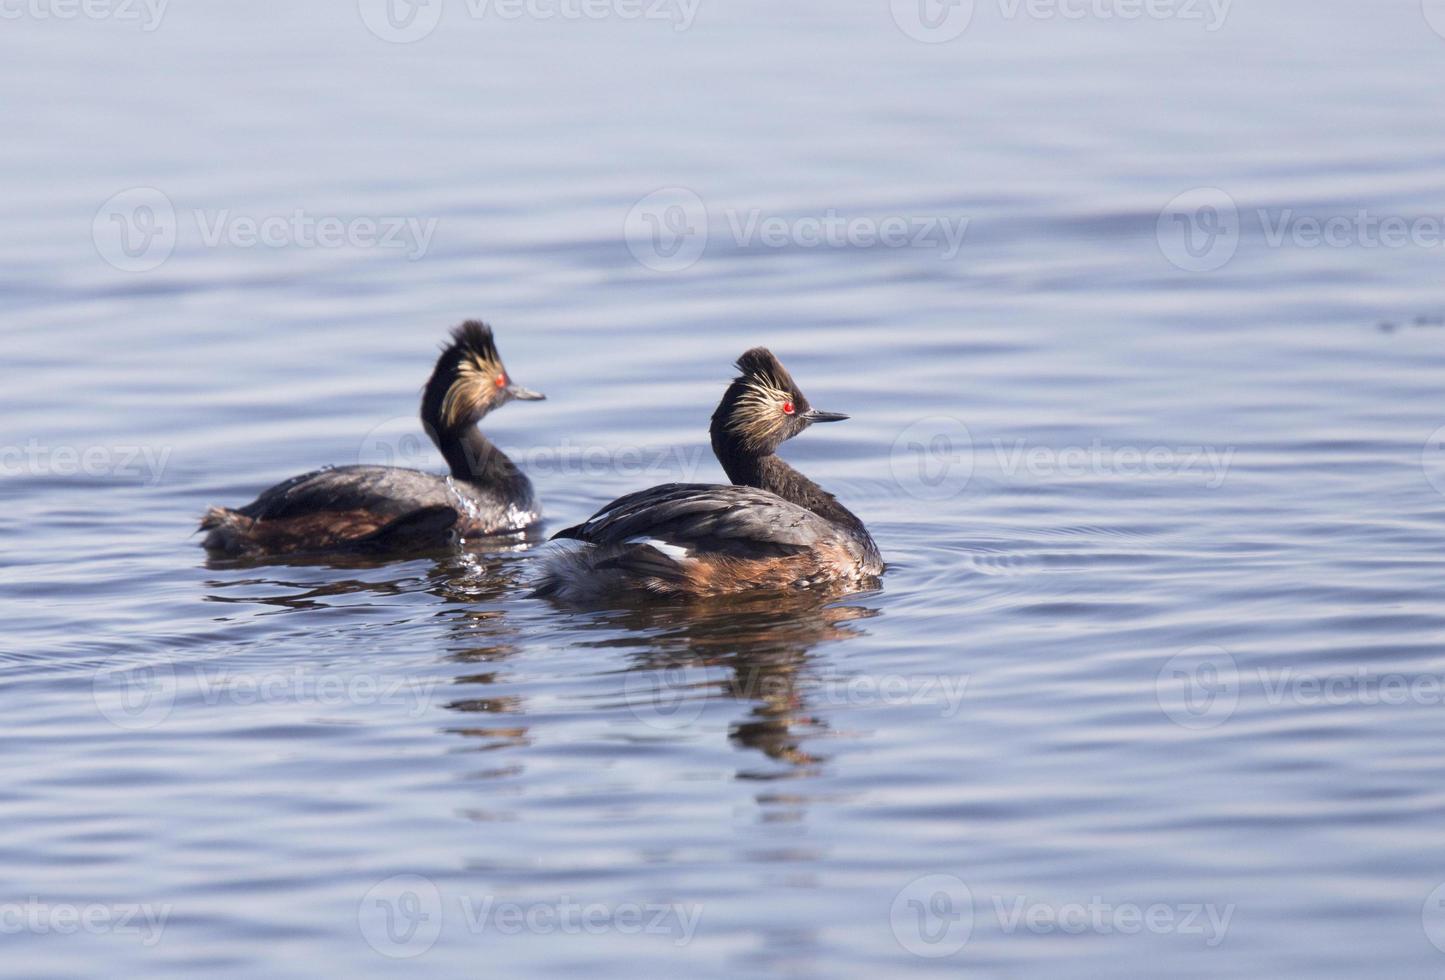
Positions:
{"x": 525, "y": 394}
{"x": 813, "y": 415}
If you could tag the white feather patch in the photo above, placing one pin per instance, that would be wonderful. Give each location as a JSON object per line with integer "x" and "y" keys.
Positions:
{"x": 674, "y": 551}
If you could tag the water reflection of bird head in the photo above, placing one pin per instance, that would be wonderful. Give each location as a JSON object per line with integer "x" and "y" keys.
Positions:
{"x": 764, "y": 643}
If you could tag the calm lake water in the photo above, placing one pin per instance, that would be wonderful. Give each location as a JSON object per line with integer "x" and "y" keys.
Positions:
{"x": 1139, "y": 321}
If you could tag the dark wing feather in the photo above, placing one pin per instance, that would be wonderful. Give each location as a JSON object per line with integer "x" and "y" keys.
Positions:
{"x": 383, "y": 490}
{"x": 429, "y": 527}
{"x": 729, "y": 520}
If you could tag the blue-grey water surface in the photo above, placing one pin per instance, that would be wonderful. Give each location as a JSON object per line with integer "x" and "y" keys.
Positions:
{"x": 1153, "y": 684}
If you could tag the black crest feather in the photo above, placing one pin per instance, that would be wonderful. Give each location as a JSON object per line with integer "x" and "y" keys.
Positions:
{"x": 475, "y": 337}
{"x": 759, "y": 360}
{"x": 762, "y": 364}
{"x": 471, "y": 345}
{"x": 750, "y": 418}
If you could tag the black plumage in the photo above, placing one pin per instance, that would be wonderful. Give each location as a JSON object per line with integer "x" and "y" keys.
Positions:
{"x": 773, "y": 527}
{"x": 348, "y": 508}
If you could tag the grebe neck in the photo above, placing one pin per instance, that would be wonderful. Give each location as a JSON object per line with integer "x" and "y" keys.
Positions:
{"x": 773, "y": 474}
{"x": 473, "y": 458}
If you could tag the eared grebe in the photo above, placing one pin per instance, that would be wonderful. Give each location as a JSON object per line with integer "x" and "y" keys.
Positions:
{"x": 774, "y": 529}
{"x": 349, "y": 508}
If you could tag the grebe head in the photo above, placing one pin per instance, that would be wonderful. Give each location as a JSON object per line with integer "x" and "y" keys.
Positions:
{"x": 469, "y": 381}
{"x": 762, "y": 408}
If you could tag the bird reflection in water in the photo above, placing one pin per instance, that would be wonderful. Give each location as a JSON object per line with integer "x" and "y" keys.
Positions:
{"x": 482, "y": 639}
{"x": 471, "y": 582}
{"x": 762, "y": 645}
{"x": 308, "y": 583}
{"x": 756, "y": 648}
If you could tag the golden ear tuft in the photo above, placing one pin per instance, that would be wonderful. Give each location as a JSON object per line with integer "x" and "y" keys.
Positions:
{"x": 471, "y": 390}
{"x": 757, "y": 415}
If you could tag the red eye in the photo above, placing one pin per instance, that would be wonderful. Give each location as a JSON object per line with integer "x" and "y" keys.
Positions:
{"x": 501, "y": 381}
{"x": 787, "y": 408}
